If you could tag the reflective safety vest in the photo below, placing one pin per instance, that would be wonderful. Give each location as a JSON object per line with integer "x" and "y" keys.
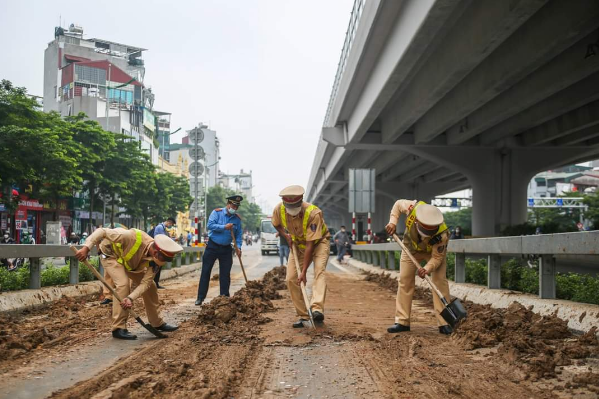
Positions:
{"x": 305, "y": 224}
{"x": 434, "y": 239}
{"x": 118, "y": 250}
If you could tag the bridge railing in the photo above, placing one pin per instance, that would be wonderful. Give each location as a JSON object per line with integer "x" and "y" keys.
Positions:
{"x": 545, "y": 246}
{"x": 35, "y": 253}
{"x": 347, "y": 44}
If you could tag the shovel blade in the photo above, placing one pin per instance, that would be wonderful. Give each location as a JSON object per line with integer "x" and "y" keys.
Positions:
{"x": 454, "y": 312}
{"x": 151, "y": 329}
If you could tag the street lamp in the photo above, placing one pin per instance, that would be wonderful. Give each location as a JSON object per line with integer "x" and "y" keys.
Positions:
{"x": 164, "y": 134}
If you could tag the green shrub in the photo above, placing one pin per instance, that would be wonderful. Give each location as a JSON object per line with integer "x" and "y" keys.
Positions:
{"x": 476, "y": 271}
{"x": 15, "y": 280}
{"x": 577, "y": 287}
{"x": 451, "y": 267}
{"x": 55, "y": 275}
{"x": 518, "y": 276}
{"x": 84, "y": 273}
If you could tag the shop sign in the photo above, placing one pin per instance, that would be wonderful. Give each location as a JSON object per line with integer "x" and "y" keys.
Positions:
{"x": 21, "y": 214}
{"x": 21, "y": 224}
{"x": 2, "y": 208}
{"x": 33, "y": 204}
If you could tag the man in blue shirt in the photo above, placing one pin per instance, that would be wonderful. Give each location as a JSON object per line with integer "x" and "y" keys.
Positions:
{"x": 220, "y": 224}
{"x": 161, "y": 229}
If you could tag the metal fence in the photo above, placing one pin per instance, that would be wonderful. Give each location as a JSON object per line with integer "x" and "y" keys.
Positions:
{"x": 545, "y": 246}
{"x": 347, "y": 44}
{"x": 35, "y": 253}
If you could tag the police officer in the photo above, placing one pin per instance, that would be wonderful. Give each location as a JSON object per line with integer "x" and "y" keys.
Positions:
{"x": 220, "y": 224}
{"x": 131, "y": 258}
{"x": 308, "y": 231}
{"x": 426, "y": 238}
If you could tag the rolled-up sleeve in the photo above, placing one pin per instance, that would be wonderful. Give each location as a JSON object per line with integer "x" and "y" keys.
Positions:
{"x": 114, "y": 235}
{"x": 400, "y": 206}
{"x": 438, "y": 254}
{"x": 144, "y": 285}
{"x": 276, "y": 216}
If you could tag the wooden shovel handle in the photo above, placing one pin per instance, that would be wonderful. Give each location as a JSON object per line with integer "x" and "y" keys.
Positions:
{"x": 302, "y": 285}
{"x": 101, "y": 278}
{"x": 238, "y": 257}
{"x": 428, "y": 279}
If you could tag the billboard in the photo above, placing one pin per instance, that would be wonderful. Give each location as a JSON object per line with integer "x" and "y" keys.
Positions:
{"x": 149, "y": 120}
{"x": 361, "y": 190}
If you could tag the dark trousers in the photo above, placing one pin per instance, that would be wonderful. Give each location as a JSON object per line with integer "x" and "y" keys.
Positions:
{"x": 157, "y": 276}
{"x": 224, "y": 254}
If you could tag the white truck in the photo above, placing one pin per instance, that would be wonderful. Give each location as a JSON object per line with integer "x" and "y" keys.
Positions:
{"x": 269, "y": 242}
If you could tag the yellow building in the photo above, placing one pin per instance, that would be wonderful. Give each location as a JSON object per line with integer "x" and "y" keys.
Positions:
{"x": 181, "y": 168}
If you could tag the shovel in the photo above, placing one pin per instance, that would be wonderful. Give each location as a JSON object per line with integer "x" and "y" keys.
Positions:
{"x": 454, "y": 311}
{"x": 239, "y": 257}
{"x": 147, "y": 326}
{"x": 303, "y": 286}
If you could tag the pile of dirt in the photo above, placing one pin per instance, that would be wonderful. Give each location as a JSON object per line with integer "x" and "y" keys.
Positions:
{"x": 386, "y": 281}
{"x": 215, "y": 277}
{"x": 276, "y": 278}
{"x": 540, "y": 343}
{"x": 383, "y": 280}
{"x": 205, "y": 358}
{"x": 44, "y": 327}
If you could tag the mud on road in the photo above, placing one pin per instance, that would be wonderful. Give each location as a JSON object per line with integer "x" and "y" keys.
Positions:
{"x": 204, "y": 358}
{"x": 48, "y": 330}
{"x": 244, "y": 347}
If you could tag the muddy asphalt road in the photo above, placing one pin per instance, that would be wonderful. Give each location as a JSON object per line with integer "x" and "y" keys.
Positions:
{"x": 244, "y": 347}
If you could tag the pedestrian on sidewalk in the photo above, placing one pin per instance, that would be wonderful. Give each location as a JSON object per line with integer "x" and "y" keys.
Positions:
{"x": 457, "y": 234}
{"x": 283, "y": 248}
{"x": 342, "y": 241}
{"x": 426, "y": 237}
{"x": 130, "y": 257}
{"x": 220, "y": 224}
{"x": 307, "y": 229}
{"x": 73, "y": 239}
{"x": 161, "y": 228}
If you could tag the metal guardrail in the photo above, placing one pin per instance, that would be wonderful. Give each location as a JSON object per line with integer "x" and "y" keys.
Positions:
{"x": 356, "y": 13}
{"x": 546, "y": 246}
{"x": 36, "y": 252}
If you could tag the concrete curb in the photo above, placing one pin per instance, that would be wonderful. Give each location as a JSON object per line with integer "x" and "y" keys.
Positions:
{"x": 20, "y": 300}
{"x": 581, "y": 317}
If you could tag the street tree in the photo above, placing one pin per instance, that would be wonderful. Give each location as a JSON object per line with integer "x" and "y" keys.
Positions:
{"x": 96, "y": 143}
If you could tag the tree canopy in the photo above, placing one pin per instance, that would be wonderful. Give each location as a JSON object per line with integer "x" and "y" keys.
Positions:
{"x": 59, "y": 156}
{"x": 250, "y": 213}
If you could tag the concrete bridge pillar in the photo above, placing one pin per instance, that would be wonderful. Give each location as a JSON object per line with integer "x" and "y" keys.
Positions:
{"x": 499, "y": 179}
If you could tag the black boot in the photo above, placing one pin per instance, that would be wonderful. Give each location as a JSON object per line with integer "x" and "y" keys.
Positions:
{"x": 199, "y": 302}
{"x": 106, "y": 301}
{"x": 447, "y": 330}
{"x": 167, "y": 328}
{"x": 299, "y": 323}
{"x": 318, "y": 316}
{"x": 398, "y": 328}
{"x": 122, "y": 333}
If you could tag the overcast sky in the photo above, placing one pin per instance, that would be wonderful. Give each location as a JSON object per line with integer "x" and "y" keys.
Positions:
{"x": 259, "y": 72}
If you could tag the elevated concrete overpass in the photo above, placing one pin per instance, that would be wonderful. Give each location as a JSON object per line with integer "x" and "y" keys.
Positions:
{"x": 440, "y": 95}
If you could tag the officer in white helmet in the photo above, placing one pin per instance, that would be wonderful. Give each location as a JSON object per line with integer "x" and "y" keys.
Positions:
{"x": 426, "y": 238}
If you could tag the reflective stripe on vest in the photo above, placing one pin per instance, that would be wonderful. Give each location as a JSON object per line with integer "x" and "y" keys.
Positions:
{"x": 304, "y": 224}
{"x": 410, "y": 222}
{"x": 118, "y": 250}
